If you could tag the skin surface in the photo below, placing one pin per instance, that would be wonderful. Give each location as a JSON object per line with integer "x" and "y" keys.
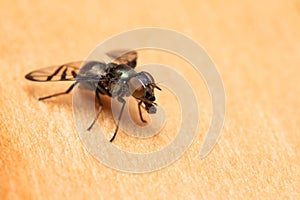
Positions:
{"x": 256, "y": 48}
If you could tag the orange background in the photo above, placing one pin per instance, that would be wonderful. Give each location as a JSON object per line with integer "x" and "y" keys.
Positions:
{"x": 256, "y": 48}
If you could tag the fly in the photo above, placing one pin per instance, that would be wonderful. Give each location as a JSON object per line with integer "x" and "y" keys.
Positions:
{"x": 116, "y": 79}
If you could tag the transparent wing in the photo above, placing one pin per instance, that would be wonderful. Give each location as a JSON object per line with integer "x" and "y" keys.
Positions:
{"x": 124, "y": 56}
{"x": 65, "y": 72}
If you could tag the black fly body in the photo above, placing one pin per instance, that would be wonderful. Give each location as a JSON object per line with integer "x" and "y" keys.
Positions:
{"x": 116, "y": 79}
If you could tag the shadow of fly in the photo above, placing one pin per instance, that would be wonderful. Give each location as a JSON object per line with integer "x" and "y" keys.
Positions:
{"x": 116, "y": 79}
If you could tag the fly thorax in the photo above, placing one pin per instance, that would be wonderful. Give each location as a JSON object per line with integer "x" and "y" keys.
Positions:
{"x": 122, "y": 73}
{"x": 120, "y": 88}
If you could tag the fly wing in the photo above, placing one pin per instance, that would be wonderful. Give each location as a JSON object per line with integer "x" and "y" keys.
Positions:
{"x": 123, "y": 56}
{"x": 65, "y": 72}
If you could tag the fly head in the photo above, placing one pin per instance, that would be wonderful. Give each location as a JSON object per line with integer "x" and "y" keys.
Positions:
{"x": 142, "y": 87}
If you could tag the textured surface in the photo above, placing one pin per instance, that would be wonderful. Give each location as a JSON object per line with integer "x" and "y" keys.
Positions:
{"x": 256, "y": 47}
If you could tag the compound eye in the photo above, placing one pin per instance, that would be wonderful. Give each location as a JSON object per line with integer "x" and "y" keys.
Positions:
{"x": 136, "y": 88}
{"x": 149, "y": 77}
{"x": 139, "y": 92}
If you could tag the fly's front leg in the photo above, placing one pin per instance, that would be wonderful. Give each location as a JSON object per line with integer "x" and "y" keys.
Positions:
{"x": 61, "y": 93}
{"x": 99, "y": 111}
{"x": 120, "y": 99}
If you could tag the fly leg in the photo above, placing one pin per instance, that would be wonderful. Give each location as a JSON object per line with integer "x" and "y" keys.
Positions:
{"x": 99, "y": 111}
{"x": 140, "y": 112}
{"x": 120, "y": 99}
{"x": 61, "y": 93}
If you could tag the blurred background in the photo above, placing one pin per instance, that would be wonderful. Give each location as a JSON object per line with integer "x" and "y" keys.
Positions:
{"x": 255, "y": 45}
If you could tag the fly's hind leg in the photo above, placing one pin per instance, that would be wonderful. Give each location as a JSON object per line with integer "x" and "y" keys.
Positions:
{"x": 58, "y": 94}
{"x": 99, "y": 111}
